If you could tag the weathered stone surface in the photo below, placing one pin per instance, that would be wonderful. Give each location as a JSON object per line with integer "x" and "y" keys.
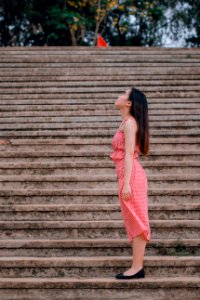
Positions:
{"x": 94, "y": 247}
{"x": 61, "y": 232}
{"x": 99, "y": 288}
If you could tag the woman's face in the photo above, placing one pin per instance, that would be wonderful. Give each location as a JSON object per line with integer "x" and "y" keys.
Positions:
{"x": 122, "y": 100}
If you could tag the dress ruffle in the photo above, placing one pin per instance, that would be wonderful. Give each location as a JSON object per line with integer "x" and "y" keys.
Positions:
{"x": 120, "y": 154}
{"x": 140, "y": 226}
{"x": 118, "y": 145}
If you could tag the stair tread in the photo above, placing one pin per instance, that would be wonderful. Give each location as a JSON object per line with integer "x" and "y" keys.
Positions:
{"x": 50, "y": 132}
{"x": 93, "y": 224}
{"x": 104, "y": 282}
{"x": 88, "y": 207}
{"x": 79, "y": 259}
{"x": 6, "y": 243}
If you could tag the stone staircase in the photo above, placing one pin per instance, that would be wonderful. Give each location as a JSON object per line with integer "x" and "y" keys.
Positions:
{"x": 62, "y": 234}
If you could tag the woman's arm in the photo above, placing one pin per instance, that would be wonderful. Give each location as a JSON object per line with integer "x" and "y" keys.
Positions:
{"x": 130, "y": 128}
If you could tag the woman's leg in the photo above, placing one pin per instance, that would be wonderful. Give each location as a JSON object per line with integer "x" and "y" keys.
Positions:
{"x": 138, "y": 248}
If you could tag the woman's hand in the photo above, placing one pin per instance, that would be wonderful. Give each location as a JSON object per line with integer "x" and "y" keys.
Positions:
{"x": 126, "y": 192}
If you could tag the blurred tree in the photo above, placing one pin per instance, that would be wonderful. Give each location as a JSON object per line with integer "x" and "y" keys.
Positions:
{"x": 67, "y": 20}
{"x": 193, "y": 22}
{"x": 136, "y": 23}
{"x": 77, "y": 22}
{"x": 12, "y": 22}
{"x": 185, "y": 14}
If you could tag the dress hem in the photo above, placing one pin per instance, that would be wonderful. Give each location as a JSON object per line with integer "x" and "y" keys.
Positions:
{"x": 130, "y": 240}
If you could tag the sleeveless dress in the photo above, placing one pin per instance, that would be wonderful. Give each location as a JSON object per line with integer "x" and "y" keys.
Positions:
{"x": 135, "y": 210}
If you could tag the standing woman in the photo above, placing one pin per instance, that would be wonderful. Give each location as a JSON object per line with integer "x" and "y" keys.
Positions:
{"x": 132, "y": 138}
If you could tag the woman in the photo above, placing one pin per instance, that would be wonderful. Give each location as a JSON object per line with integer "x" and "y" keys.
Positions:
{"x": 131, "y": 138}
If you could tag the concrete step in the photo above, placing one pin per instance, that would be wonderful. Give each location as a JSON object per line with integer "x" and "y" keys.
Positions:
{"x": 176, "y": 125}
{"x": 166, "y": 229}
{"x": 113, "y": 63}
{"x": 153, "y": 103}
{"x": 107, "y": 97}
{"x": 93, "y": 181}
{"x": 20, "y": 197}
{"x": 183, "y": 198}
{"x": 15, "y": 159}
{"x": 99, "y": 266}
{"x": 150, "y": 287}
{"x": 97, "y": 61}
{"x": 97, "y": 83}
{"x": 49, "y": 122}
{"x": 92, "y": 156}
{"x": 92, "y": 145}
{"x": 47, "y": 113}
{"x": 100, "y": 141}
{"x": 94, "y": 196}
{"x": 101, "y": 70}
{"x": 106, "y": 58}
{"x": 157, "y": 113}
{"x": 93, "y": 50}
{"x": 95, "y": 247}
{"x": 71, "y": 107}
{"x": 140, "y": 79}
{"x": 71, "y": 212}
{"x": 92, "y": 133}
{"x": 115, "y": 121}
{"x": 96, "y": 89}
{"x": 98, "y": 167}
{"x": 71, "y": 144}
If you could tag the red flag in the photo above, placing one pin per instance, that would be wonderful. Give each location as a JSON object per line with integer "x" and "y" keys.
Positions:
{"x": 101, "y": 42}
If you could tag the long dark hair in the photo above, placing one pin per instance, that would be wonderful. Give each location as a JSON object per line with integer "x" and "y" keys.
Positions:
{"x": 139, "y": 110}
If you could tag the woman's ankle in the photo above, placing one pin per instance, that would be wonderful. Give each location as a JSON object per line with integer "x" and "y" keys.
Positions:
{"x": 137, "y": 267}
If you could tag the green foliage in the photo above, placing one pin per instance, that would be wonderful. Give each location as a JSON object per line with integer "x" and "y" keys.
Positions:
{"x": 77, "y": 22}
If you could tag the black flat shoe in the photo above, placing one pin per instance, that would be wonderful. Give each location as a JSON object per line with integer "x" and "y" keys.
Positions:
{"x": 139, "y": 274}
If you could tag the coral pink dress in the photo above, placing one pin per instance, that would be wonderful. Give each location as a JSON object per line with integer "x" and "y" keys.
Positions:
{"x": 135, "y": 210}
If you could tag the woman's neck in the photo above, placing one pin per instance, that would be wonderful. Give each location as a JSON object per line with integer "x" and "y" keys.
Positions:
{"x": 124, "y": 116}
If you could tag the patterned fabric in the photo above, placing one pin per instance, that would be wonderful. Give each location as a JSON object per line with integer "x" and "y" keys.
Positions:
{"x": 135, "y": 210}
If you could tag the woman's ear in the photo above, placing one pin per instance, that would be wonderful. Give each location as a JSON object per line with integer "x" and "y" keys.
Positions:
{"x": 129, "y": 103}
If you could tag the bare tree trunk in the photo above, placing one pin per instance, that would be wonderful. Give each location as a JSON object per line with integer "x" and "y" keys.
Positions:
{"x": 73, "y": 37}
{"x": 97, "y": 24}
{"x": 99, "y": 21}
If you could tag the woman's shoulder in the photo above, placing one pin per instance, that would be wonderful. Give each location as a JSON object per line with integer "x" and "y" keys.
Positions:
{"x": 132, "y": 120}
